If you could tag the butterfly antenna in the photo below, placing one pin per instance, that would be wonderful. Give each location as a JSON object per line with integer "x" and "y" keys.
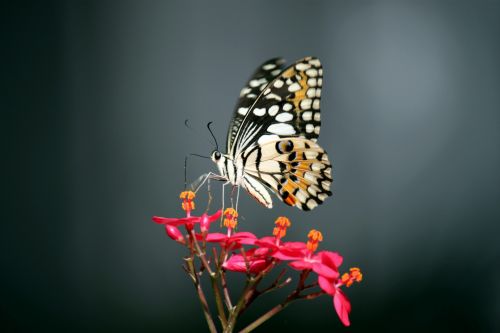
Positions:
{"x": 199, "y": 155}
{"x": 213, "y": 136}
{"x": 185, "y": 172}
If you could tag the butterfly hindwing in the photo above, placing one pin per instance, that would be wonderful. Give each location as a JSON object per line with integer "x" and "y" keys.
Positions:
{"x": 289, "y": 106}
{"x": 296, "y": 169}
{"x": 264, "y": 74}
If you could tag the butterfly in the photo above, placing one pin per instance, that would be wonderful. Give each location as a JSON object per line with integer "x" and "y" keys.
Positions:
{"x": 271, "y": 141}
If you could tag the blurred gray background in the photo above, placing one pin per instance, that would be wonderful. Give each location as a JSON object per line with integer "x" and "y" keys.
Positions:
{"x": 94, "y": 98}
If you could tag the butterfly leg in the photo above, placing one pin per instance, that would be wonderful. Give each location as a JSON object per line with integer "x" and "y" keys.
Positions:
{"x": 198, "y": 183}
{"x": 237, "y": 197}
{"x": 223, "y": 200}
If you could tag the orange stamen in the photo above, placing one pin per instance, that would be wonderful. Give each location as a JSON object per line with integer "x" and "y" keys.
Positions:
{"x": 282, "y": 223}
{"x": 231, "y": 218}
{"x": 354, "y": 275}
{"x": 187, "y": 200}
{"x": 315, "y": 237}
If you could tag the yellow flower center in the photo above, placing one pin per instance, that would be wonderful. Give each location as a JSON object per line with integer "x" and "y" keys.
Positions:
{"x": 187, "y": 200}
{"x": 230, "y": 218}
{"x": 282, "y": 223}
{"x": 315, "y": 237}
{"x": 354, "y": 275}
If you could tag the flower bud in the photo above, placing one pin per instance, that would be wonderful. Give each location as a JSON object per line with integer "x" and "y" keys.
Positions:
{"x": 174, "y": 233}
{"x": 204, "y": 223}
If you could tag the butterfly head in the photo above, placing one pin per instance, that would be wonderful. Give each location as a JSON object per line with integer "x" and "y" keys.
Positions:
{"x": 216, "y": 156}
{"x": 219, "y": 159}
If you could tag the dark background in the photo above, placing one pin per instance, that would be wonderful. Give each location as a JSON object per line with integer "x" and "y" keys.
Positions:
{"x": 94, "y": 97}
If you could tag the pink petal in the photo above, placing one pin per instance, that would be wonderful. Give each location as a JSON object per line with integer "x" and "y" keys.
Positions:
{"x": 175, "y": 221}
{"x": 294, "y": 246}
{"x": 269, "y": 242}
{"x": 342, "y": 306}
{"x": 262, "y": 251}
{"x": 325, "y": 271}
{"x": 331, "y": 259}
{"x": 300, "y": 265}
{"x": 236, "y": 263}
{"x": 243, "y": 238}
{"x": 282, "y": 256}
{"x": 216, "y": 237}
{"x": 326, "y": 285}
{"x": 204, "y": 223}
{"x": 215, "y": 216}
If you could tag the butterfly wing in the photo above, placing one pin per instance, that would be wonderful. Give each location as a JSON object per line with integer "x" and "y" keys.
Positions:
{"x": 296, "y": 169}
{"x": 276, "y": 139}
{"x": 264, "y": 74}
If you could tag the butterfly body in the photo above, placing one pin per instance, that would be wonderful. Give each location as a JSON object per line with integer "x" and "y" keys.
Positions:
{"x": 272, "y": 137}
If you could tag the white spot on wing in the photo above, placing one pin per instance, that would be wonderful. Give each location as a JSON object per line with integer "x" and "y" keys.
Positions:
{"x": 267, "y": 67}
{"x": 315, "y": 62}
{"x": 307, "y": 116}
{"x": 316, "y": 104}
{"x": 287, "y": 107}
{"x": 243, "y": 111}
{"x": 273, "y": 110}
{"x": 311, "y": 82}
{"x": 294, "y": 87}
{"x": 311, "y": 92}
{"x": 302, "y": 67}
{"x": 267, "y": 138}
{"x": 312, "y": 72}
{"x": 309, "y": 128}
{"x": 278, "y": 83}
{"x": 245, "y": 91}
{"x": 305, "y": 104}
{"x": 281, "y": 129}
{"x": 311, "y": 204}
{"x": 259, "y": 111}
{"x": 284, "y": 117}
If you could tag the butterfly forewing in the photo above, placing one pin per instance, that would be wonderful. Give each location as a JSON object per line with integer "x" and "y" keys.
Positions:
{"x": 289, "y": 106}
{"x": 264, "y": 74}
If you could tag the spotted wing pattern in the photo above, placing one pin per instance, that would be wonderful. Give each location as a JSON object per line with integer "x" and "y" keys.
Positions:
{"x": 276, "y": 139}
{"x": 289, "y": 106}
{"x": 258, "y": 81}
{"x": 296, "y": 169}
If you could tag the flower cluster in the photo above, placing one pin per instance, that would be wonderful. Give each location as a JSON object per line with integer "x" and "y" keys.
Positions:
{"x": 246, "y": 253}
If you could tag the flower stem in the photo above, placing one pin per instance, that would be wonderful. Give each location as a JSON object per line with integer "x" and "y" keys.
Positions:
{"x": 265, "y": 317}
{"x": 201, "y": 294}
{"x": 214, "y": 277}
{"x": 295, "y": 295}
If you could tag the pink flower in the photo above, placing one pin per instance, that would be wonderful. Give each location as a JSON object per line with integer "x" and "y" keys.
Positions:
{"x": 255, "y": 262}
{"x": 232, "y": 241}
{"x": 340, "y": 301}
{"x": 277, "y": 249}
{"x": 282, "y": 251}
{"x": 324, "y": 263}
{"x": 186, "y": 220}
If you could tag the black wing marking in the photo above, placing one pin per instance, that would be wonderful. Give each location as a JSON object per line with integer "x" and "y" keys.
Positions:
{"x": 258, "y": 81}
{"x": 289, "y": 106}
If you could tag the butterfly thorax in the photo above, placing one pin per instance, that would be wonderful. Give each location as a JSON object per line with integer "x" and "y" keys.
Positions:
{"x": 229, "y": 168}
